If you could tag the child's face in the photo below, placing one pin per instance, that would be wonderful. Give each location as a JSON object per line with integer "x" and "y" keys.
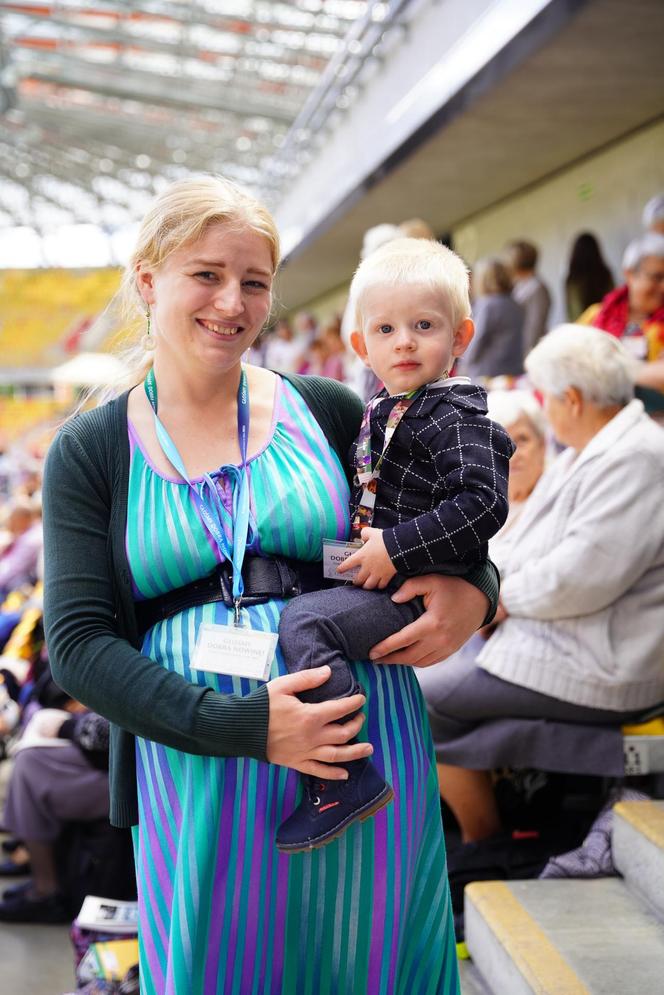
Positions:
{"x": 407, "y": 336}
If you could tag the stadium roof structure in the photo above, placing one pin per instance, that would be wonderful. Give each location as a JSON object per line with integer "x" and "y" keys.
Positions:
{"x": 101, "y": 104}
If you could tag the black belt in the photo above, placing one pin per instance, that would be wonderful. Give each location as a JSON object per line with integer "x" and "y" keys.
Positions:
{"x": 263, "y": 580}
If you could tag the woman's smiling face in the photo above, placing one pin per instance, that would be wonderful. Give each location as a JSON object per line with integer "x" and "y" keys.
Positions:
{"x": 209, "y": 299}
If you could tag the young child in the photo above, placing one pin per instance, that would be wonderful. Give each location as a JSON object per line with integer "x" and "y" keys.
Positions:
{"x": 431, "y": 490}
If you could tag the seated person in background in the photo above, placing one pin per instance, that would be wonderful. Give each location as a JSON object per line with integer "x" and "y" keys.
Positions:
{"x": 588, "y": 277}
{"x": 416, "y": 228}
{"x": 362, "y": 380}
{"x": 497, "y": 346}
{"x": 529, "y": 291}
{"x": 23, "y": 546}
{"x": 333, "y": 360}
{"x": 282, "y": 351}
{"x": 431, "y": 490}
{"x": 634, "y": 312}
{"x": 579, "y": 648}
{"x": 60, "y": 776}
{"x": 653, "y": 214}
{"x": 523, "y": 420}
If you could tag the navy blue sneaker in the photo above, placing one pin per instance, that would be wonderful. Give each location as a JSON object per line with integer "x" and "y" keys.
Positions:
{"x": 328, "y": 807}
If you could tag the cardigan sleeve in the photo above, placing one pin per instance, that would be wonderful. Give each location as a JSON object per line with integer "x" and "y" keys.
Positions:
{"x": 471, "y": 463}
{"x": 611, "y": 535}
{"x": 90, "y": 659}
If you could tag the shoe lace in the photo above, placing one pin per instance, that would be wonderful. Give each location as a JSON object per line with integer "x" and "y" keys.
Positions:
{"x": 314, "y": 789}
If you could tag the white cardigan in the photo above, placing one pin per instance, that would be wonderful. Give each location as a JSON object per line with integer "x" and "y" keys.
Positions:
{"x": 583, "y": 578}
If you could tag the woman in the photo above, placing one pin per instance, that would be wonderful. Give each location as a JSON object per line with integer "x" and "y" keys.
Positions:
{"x": 634, "y": 313}
{"x": 135, "y": 511}
{"x": 497, "y": 347}
{"x": 588, "y": 278}
{"x": 59, "y": 777}
{"x": 520, "y": 414}
{"x": 579, "y": 648}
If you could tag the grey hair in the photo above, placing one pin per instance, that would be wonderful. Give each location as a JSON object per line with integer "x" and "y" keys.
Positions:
{"x": 650, "y": 244}
{"x": 507, "y": 406}
{"x": 594, "y": 362}
{"x": 653, "y": 211}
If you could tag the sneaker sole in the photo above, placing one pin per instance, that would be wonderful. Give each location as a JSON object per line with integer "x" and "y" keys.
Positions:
{"x": 380, "y": 801}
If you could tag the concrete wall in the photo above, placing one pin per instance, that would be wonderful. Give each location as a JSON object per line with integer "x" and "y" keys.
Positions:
{"x": 604, "y": 194}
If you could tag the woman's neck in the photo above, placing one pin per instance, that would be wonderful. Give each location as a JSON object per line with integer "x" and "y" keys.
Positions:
{"x": 204, "y": 389}
{"x": 594, "y": 421}
{"x": 518, "y": 494}
{"x": 637, "y": 314}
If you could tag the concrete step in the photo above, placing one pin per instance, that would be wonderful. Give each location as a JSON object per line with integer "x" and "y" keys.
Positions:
{"x": 563, "y": 937}
{"x": 638, "y": 850}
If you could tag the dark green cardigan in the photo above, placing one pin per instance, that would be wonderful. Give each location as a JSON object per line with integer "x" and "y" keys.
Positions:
{"x": 91, "y": 631}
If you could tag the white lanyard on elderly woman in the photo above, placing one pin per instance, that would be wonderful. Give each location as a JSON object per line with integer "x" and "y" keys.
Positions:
{"x": 237, "y": 651}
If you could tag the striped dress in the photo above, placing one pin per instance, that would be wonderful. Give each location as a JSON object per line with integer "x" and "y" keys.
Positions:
{"x": 221, "y": 910}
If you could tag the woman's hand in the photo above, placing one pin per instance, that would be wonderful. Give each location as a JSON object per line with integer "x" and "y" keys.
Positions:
{"x": 308, "y": 737}
{"x": 501, "y": 614}
{"x": 650, "y": 374}
{"x": 454, "y": 611}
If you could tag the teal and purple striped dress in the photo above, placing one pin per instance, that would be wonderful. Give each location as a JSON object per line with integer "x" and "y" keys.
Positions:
{"x": 221, "y": 911}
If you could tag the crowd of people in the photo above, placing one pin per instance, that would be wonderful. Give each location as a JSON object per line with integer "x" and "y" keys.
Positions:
{"x": 144, "y": 503}
{"x": 511, "y": 307}
{"x": 55, "y": 750}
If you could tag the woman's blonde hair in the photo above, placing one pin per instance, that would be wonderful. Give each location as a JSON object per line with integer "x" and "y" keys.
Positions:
{"x": 180, "y": 215}
{"x": 415, "y": 261}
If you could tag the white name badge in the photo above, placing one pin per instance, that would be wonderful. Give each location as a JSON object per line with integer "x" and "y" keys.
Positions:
{"x": 234, "y": 650}
{"x": 336, "y": 553}
{"x": 636, "y": 345}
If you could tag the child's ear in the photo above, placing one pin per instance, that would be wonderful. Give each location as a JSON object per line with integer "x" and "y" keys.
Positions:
{"x": 462, "y": 337}
{"x": 359, "y": 345}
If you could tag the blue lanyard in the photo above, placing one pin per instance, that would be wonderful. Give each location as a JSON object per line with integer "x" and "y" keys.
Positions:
{"x": 206, "y": 496}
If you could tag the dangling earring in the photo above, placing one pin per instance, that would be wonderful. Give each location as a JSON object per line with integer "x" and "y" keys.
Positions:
{"x": 147, "y": 342}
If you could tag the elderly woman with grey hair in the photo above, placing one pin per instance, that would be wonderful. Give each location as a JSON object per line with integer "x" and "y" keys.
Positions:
{"x": 520, "y": 414}
{"x": 653, "y": 214}
{"x": 579, "y": 648}
{"x": 634, "y": 313}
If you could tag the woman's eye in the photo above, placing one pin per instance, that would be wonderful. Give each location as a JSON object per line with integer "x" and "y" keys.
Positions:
{"x": 206, "y": 275}
{"x": 385, "y": 329}
{"x": 256, "y": 285}
{"x": 424, "y": 324}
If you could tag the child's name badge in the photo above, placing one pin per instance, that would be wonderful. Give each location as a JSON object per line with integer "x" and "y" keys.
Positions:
{"x": 368, "y": 499}
{"x": 334, "y": 554}
{"x": 234, "y": 650}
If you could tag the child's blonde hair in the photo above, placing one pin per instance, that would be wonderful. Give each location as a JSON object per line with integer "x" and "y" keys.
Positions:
{"x": 414, "y": 261}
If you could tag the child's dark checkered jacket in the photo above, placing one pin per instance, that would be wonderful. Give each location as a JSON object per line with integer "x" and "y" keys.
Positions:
{"x": 442, "y": 491}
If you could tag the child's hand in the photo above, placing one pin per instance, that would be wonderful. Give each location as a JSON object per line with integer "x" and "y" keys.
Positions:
{"x": 375, "y": 566}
